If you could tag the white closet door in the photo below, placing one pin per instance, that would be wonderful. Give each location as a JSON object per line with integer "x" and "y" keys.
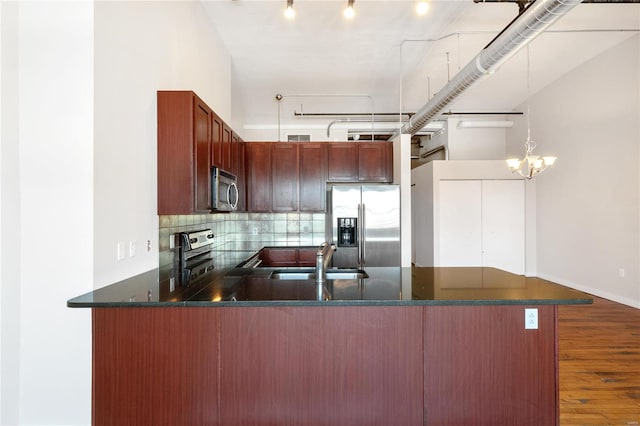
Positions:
{"x": 503, "y": 225}
{"x": 460, "y": 239}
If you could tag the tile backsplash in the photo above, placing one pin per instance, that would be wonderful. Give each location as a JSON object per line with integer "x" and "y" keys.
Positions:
{"x": 257, "y": 228}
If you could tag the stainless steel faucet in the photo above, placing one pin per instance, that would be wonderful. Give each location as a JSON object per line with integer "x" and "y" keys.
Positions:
{"x": 323, "y": 258}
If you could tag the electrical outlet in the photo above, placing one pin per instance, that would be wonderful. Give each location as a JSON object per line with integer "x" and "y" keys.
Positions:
{"x": 531, "y": 318}
{"x": 621, "y": 272}
{"x": 132, "y": 248}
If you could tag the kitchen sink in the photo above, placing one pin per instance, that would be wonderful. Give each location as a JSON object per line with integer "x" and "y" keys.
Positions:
{"x": 332, "y": 274}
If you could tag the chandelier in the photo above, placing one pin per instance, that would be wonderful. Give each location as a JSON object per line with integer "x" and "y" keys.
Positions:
{"x": 531, "y": 165}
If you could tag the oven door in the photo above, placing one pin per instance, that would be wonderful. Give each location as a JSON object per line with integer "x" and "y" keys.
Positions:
{"x": 224, "y": 190}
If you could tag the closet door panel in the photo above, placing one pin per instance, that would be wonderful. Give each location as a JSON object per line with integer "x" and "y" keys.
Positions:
{"x": 460, "y": 239}
{"x": 503, "y": 226}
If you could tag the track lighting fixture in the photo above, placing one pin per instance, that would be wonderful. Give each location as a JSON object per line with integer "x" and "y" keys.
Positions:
{"x": 422, "y": 7}
{"x": 289, "y": 12}
{"x": 349, "y": 11}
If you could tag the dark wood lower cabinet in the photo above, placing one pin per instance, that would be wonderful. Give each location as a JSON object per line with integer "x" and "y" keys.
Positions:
{"x": 321, "y": 366}
{"x": 155, "y": 366}
{"x": 324, "y": 365}
{"x": 484, "y": 369}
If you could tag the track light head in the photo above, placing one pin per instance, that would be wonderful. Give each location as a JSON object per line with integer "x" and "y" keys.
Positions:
{"x": 349, "y": 11}
{"x": 289, "y": 12}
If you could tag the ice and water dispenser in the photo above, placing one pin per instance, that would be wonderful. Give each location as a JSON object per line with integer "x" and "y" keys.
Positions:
{"x": 347, "y": 231}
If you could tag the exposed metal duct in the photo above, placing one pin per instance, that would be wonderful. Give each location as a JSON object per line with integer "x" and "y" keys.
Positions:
{"x": 531, "y": 23}
{"x": 522, "y": 4}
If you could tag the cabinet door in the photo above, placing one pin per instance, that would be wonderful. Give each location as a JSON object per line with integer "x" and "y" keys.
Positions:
{"x": 343, "y": 162}
{"x": 175, "y": 153}
{"x": 225, "y": 148}
{"x": 313, "y": 176}
{"x": 279, "y": 257}
{"x": 202, "y": 155}
{"x": 258, "y": 176}
{"x": 234, "y": 153}
{"x": 284, "y": 161}
{"x": 242, "y": 179}
{"x": 373, "y": 161}
{"x": 307, "y": 256}
{"x": 216, "y": 140}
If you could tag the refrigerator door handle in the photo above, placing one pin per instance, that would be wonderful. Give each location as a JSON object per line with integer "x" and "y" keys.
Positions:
{"x": 363, "y": 241}
{"x": 359, "y": 235}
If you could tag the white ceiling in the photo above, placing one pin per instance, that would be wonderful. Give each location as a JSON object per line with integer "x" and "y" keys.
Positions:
{"x": 320, "y": 61}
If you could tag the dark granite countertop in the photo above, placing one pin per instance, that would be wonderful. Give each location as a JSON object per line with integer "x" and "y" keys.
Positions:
{"x": 228, "y": 285}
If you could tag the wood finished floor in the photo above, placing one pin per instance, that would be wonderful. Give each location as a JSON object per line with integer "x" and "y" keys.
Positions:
{"x": 599, "y": 364}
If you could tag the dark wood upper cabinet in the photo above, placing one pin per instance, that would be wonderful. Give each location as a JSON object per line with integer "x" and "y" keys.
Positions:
{"x": 184, "y": 133}
{"x": 284, "y": 174}
{"x": 258, "y": 173}
{"x": 343, "y": 162}
{"x": 216, "y": 140}
{"x": 240, "y": 173}
{"x": 360, "y": 162}
{"x": 191, "y": 138}
{"x": 312, "y": 160}
{"x": 375, "y": 161}
{"x": 225, "y": 149}
{"x": 301, "y": 170}
{"x": 202, "y": 160}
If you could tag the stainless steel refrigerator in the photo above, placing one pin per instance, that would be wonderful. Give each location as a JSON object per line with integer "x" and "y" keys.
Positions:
{"x": 364, "y": 223}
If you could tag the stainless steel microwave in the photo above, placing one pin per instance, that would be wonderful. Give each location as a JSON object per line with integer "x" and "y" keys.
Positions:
{"x": 224, "y": 190}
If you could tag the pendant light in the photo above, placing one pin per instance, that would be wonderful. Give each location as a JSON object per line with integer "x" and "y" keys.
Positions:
{"x": 531, "y": 165}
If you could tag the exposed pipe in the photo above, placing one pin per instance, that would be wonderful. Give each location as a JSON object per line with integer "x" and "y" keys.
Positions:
{"x": 531, "y": 23}
{"x": 436, "y": 149}
{"x": 583, "y": 1}
{"x": 348, "y": 114}
{"x": 360, "y": 120}
{"x": 484, "y": 113}
{"x": 324, "y": 95}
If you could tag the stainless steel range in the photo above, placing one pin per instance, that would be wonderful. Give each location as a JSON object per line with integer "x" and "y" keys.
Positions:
{"x": 192, "y": 257}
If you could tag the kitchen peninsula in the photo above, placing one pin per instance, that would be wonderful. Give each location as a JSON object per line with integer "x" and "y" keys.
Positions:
{"x": 405, "y": 346}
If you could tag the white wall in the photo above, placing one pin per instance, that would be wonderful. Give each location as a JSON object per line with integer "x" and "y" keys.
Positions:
{"x": 588, "y": 205}
{"x": 475, "y": 143}
{"x": 142, "y": 47}
{"x": 47, "y": 150}
{"x": 316, "y": 128}
{"x": 78, "y": 169}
